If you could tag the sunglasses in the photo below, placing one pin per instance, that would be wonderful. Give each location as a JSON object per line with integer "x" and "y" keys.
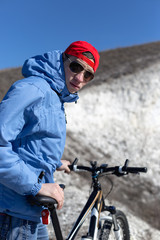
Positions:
{"x": 76, "y": 67}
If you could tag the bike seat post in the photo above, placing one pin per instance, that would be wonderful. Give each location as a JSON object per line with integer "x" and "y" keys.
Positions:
{"x": 55, "y": 223}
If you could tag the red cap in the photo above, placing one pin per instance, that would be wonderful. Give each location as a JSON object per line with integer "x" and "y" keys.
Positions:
{"x": 79, "y": 47}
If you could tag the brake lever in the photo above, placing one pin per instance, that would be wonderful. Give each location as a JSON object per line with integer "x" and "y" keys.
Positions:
{"x": 124, "y": 168}
{"x": 72, "y": 166}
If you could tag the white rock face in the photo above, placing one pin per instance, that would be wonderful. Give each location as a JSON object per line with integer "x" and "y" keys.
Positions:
{"x": 114, "y": 121}
{"x": 121, "y": 117}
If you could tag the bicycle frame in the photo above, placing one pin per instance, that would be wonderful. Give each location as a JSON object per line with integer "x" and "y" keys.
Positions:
{"x": 95, "y": 205}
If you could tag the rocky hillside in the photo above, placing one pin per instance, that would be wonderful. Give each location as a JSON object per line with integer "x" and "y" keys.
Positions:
{"x": 116, "y": 117}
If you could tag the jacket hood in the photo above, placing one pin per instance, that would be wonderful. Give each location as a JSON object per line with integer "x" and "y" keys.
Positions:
{"x": 49, "y": 66}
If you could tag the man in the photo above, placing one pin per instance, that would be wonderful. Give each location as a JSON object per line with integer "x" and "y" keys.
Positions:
{"x": 32, "y": 135}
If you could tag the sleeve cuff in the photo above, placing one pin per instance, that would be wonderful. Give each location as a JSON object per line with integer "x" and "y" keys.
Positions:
{"x": 36, "y": 188}
{"x": 59, "y": 165}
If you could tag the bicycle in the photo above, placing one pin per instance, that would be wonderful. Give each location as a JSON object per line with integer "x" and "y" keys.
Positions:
{"x": 99, "y": 227}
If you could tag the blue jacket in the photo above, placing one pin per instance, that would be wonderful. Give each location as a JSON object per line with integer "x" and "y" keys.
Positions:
{"x": 32, "y": 132}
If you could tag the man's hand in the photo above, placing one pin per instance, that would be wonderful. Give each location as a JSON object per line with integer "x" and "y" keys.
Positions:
{"x": 53, "y": 190}
{"x": 64, "y": 167}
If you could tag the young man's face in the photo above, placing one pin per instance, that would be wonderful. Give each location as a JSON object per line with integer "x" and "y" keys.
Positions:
{"x": 77, "y": 76}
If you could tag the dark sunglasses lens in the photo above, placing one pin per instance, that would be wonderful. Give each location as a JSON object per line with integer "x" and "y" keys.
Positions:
{"x": 76, "y": 67}
{"x": 88, "y": 75}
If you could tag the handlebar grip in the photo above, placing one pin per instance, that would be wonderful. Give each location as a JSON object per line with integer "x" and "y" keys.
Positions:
{"x": 135, "y": 169}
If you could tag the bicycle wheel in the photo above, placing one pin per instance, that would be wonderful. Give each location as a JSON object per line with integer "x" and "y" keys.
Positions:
{"x": 106, "y": 232}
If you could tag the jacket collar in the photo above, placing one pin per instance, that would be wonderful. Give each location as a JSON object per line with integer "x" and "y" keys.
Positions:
{"x": 49, "y": 66}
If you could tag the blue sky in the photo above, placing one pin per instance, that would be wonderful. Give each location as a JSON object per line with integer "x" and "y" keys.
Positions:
{"x": 33, "y": 27}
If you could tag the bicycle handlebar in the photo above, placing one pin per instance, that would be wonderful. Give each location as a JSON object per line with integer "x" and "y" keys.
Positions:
{"x": 117, "y": 170}
{"x": 49, "y": 202}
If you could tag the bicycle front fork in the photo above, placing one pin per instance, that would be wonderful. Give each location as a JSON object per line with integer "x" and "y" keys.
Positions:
{"x": 112, "y": 220}
{"x": 109, "y": 220}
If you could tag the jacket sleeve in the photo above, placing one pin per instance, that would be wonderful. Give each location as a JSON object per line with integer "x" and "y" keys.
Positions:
{"x": 14, "y": 173}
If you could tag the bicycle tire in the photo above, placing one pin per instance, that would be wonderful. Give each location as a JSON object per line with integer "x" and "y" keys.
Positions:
{"x": 123, "y": 224}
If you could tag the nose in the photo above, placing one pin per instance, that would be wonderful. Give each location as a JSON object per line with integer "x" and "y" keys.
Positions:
{"x": 79, "y": 77}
